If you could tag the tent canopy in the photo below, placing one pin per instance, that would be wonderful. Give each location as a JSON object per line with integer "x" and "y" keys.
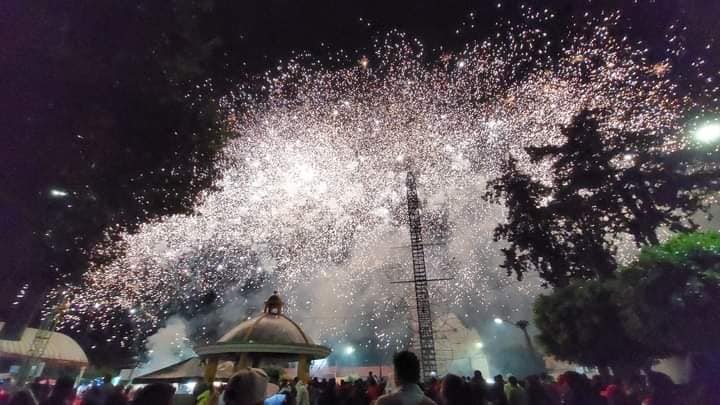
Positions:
{"x": 187, "y": 370}
{"x": 61, "y": 349}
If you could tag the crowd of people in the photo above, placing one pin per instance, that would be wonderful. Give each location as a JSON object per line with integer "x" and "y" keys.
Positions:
{"x": 254, "y": 387}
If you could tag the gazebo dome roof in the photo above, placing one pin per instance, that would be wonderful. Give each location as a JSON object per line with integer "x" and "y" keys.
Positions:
{"x": 270, "y": 333}
{"x": 267, "y": 328}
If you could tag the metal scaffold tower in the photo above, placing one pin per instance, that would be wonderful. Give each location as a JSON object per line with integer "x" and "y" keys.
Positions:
{"x": 31, "y": 364}
{"x": 420, "y": 280}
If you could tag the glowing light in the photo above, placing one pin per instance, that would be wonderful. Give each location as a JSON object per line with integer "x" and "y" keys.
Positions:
{"x": 349, "y": 350}
{"x": 708, "y": 133}
{"x": 57, "y": 193}
{"x": 498, "y": 321}
{"x": 479, "y": 345}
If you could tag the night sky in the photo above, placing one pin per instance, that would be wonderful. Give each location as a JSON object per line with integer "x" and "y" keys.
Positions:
{"x": 92, "y": 100}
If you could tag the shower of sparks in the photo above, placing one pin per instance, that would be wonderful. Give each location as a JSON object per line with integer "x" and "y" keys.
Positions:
{"x": 312, "y": 197}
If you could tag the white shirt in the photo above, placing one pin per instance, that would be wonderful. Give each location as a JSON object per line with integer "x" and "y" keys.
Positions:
{"x": 409, "y": 394}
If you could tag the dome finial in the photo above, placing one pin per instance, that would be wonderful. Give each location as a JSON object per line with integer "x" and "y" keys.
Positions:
{"x": 274, "y": 304}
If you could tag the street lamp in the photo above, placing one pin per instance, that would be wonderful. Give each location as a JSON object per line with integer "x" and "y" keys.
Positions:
{"x": 349, "y": 350}
{"x": 708, "y": 132}
{"x": 522, "y": 325}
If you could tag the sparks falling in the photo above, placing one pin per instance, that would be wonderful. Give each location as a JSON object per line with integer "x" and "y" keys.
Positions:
{"x": 311, "y": 200}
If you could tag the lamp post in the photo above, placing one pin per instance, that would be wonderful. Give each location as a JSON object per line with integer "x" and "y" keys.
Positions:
{"x": 522, "y": 325}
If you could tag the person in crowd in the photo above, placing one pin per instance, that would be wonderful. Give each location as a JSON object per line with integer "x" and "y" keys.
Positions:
{"x": 552, "y": 390}
{"x": 633, "y": 388}
{"x": 117, "y": 397}
{"x": 92, "y": 396}
{"x": 661, "y": 390}
{"x": 455, "y": 391}
{"x": 288, "y": 389}
{"x": 613, "y": 393}
{"x": 515, "y": 393}
{"x": 371, "y": 377}
{"x": 536, "y": 392}
{"x": 38, "y": 390}
{"x": 373, "y": 391}
{"x": 358, "y": 394}
{"x": 314, "y": 391}
{"x": 578, "y": 391}
{"x": 107, "y": 387}
{"x": 155, "y": 394}
{"x": 22, "y": 398}
{"x": 301, "y": 391}
{"x": 250, "y": 386}
{"x": 202, "y": 394}
{"x": 478, "y": 389}
{"x": 497, "y": 391}
{"x": 328, "y": 396}
{"x": 63, "y": 393}
{"x": 432, "y": 389}
{"x": 407, "y": 377}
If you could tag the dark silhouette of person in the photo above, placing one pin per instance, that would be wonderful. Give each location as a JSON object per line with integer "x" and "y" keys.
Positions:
{"x": 455, "y": 391}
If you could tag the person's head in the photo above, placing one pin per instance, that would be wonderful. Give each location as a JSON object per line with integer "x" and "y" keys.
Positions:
{"x": 200, "y": 388}
{"x": 407, "y": 368}
{"x": 533, "y": 380}
{"x": 249, "y": 387}
{"x": 453, "y": 390}
{"x": 477, "y": 374}
{"x": 296, "y": 380}
{"x": 107, "y": 379}
{"x": 21, "y": 398}
{"x": 370, "y": 373}
{"x": 155, "y": 394}
{"x": 633, "y": 385}
{"x": 64, "y": 387}
{"x": 116, "y": 398}
{"x": 513, "y": 381}
{"x": 499, "y": 379}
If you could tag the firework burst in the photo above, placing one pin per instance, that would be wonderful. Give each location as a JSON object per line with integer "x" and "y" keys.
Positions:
{"x": 311, "y": 200}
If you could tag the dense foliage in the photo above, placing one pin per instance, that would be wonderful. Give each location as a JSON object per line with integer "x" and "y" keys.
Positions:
{"x": 581, "y": 323}
{"x": 605, "y": 184}
{"x": 663, "y": 304}
{"x": 671, "y": 295}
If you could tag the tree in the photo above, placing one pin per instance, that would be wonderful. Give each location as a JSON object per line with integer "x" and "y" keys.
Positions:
{"x": 671, "y": 295}
{"x": 604, "y": 183}
{"x": 580, "y": 323}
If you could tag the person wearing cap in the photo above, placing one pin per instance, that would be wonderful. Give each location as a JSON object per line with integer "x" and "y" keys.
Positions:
{"x": 407, "y": 377}
{"x": 249, "y": 386}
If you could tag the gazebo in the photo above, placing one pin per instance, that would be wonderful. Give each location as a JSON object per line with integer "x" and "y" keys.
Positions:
{"x": 270, "y": 338}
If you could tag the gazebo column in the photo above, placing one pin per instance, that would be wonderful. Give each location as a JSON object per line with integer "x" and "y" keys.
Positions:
{"x": 303, "y": 368}
{"x": 211, "y": 365}
{"x": 242, "y": 362}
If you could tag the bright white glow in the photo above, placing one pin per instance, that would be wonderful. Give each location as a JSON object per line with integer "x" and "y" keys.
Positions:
{"x": 490, "y": 381}
{"x": 498, "y": 321}
{"x": 54, "y": 192}
{"x": 190, "y": 386}
{"x": 479, "y": 345}
{"x": 349, "y": 350}
{"x": 708, "y": 133}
